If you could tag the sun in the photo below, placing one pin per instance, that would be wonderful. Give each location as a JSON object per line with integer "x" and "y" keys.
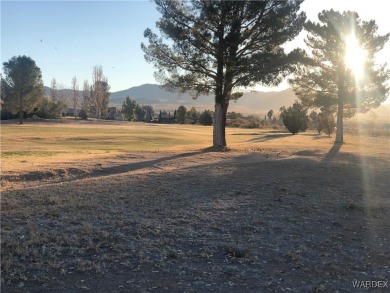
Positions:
{"x": 355, "y": 56}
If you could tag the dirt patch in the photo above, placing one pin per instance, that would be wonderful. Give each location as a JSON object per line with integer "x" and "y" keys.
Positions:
{"x": 261, "y": 221}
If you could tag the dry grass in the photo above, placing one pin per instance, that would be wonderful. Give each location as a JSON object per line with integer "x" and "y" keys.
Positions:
{"x": 276, "y": 213}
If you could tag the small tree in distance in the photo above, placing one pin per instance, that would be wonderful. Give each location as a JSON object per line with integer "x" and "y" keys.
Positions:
{"x": 75, "y": 96}
{"x": 139, "y": 113}
{"x": 193, "y": 114}
{"x": 49, "y": 109}
{"x": 128, "y": 108}
{"x": 295, "y": 118}
{"x": 326, "y": 122}
{"x": 181, "y": 114}
{"x": 270, "y": 114}
{"x": 206, "y": 118}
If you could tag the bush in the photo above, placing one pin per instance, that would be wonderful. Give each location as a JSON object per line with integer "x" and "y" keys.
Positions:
{"x": 234, "y": 119}
{"x": 295, "y": 118}
{"x": 6, "y": 115}
{"x": 83, "y": 114}
{"x": 50, "y": 109}
{"x": 206, "y": 118}
{"x": 181, "y": 114}
{"x": 326, "y": 123}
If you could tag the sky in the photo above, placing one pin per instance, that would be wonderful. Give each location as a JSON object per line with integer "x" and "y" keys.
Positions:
{"x": 69, "y": 38}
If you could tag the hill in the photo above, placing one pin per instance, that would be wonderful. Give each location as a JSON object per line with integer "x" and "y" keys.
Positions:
{"x": 254, "y": 102}
{"x": 250, "y": 103}
{"x": 61, "y": 92}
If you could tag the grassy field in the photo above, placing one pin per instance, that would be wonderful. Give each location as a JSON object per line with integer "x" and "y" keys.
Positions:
{"x": 40, "y": 145}
{"x": 132, "y": 207}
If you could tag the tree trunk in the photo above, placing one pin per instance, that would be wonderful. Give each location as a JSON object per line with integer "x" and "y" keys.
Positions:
{"x": 21, "y": 117}
{"x": 340, "y": 114}
{"x": 219, "y": 137}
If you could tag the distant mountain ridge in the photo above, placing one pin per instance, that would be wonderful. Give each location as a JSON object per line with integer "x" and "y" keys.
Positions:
{"x": 254, "y": 102}
{"x": 152, "y": 94}
{"x": 251, "y": 102}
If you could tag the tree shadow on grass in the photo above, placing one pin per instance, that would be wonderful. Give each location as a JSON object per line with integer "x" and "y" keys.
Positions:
{"x": 319, "y": 136}
{"x": 269, "y": 137}
{"x": 332, "y": 152}
{"x": 257, "y": 133}
{"x": 140, "y": 165}
{"x": 77, "y": 174}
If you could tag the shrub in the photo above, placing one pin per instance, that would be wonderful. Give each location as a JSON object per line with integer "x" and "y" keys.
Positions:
{"x": 295, "y": 118}
{"x": 50, "y": 109}
{"x": 326, "y": 122}
{"x": 83, "y": 114}
{"x": 5, "y": 115}
{"x": 206, "y": 118}
{"x": 181, "y": 114}
{"x": 234, "y": 119}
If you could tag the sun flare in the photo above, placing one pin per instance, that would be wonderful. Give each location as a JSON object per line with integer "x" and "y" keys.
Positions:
{"x": 355, "y": 56}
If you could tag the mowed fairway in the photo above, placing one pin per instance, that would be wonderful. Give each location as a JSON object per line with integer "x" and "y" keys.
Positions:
{"x": 133, "y": 207}
{"x": 32, "y": 146}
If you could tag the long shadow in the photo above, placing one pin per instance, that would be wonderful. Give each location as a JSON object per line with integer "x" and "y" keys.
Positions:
{"x": 137, "y": 166}
{"x": 256, "y": 133}
{"x": 269, "y": 137}
{"x": 332, "y": 152}
{"x": 78, "y": 174}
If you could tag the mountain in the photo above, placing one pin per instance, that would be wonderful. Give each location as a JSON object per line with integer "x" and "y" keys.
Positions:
{"x": 61, "y": 92}
{"x": 254, "y": 102}
{"x": 250, "y": 103}
{"x": 151, "y": 94}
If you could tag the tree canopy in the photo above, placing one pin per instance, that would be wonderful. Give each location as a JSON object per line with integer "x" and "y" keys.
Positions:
{"x": 22, "y": 86}
{"x": 221, "y": 46}
{"x": 181, "y": 114}
{"x": 295, "y": 118}
{"x": 340, "y": 73}
{"x": 128, "y": 108}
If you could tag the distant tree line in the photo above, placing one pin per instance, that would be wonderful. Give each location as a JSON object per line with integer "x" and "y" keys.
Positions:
{"x": 192, "y": 116}
{"x": 132, "y": 111}
{"x": 22, "y": 93}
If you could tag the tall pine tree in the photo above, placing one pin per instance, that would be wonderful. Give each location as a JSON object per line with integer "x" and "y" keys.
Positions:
{"x": 221, "y": 46}
{"x": 331, "y": 78}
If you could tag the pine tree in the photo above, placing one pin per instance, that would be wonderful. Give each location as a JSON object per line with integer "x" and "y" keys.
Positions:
{"x": 206, "y": 118}
{"x": 22, "y": 87}
{"x": 139, "y": 113}
{"x": 221, "y": 46}
{"x": 128, "y": 108}
{"x": 326, "y": 81}
{"x": 295, "y": 118}
{"x": 181, "y": 114}
{"x": 270, "y": 114}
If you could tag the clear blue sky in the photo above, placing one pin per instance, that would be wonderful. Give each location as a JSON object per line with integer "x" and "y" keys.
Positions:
{"x": 68, "y": 38}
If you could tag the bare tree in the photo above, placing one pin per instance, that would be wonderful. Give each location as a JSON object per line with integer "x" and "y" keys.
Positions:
{"x": 86, "y": 97}
{"x": 75, "y": 96}
{"x": 62, "y": 93}
{"x": 53, "y": 90}
{"x": 98, "y": 91}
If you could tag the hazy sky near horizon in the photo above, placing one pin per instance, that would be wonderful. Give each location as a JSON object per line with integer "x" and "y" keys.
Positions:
{"x": 68, "y": 38}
